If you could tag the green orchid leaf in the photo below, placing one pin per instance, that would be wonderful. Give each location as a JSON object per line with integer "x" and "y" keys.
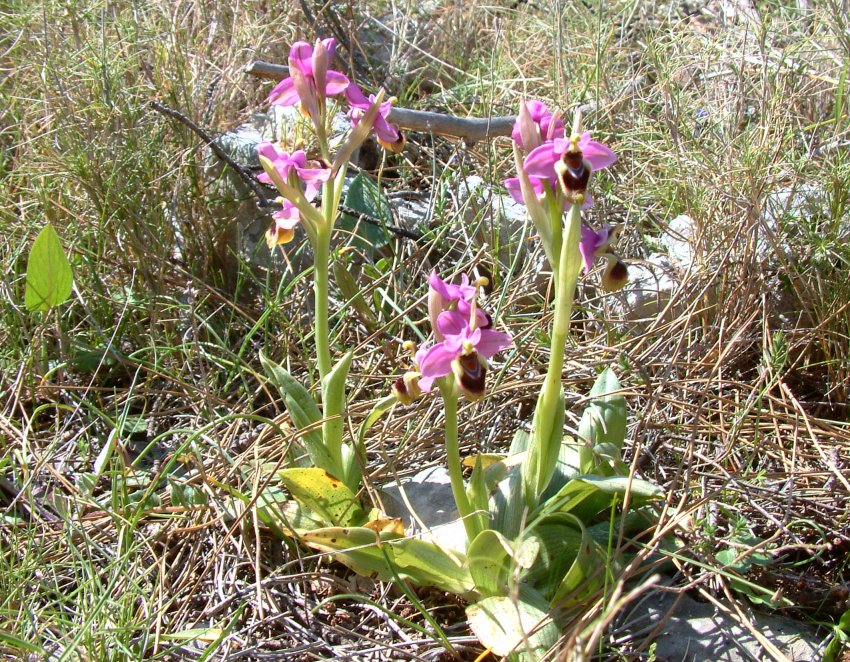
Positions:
{"x": 558, "y": 540}
{"x": 323, "y": 494}
{"x": 490, "y": 562}
{"x": 479, "y": 495}
{"x": 49, "y": 275}
{"x": 507, "y": 504}
{"x": 566, "y": 467}
{"x": 392, "y": 557}
{"x": 586, "y": 574}
{"x": 495, "y": 466}
{"x": 333, "y": 396}
{"x": 547, "y": 427}
{"x": 604, "y": 420}
{"x": 520, "y": 442}
{"x": 357, "y": 548}
{"x": 587, "y": 496}
{"x": 381, "y": 407}
{"x": 505, "y": 626}
{"x": 428, "y": 564}
{"x": 365, "y": 196}
{"x": 302, "y": 410}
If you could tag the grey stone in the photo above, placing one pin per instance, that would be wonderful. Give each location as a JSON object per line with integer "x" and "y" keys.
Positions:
{"x": 697, "y": 631}
{"x": 426, "y": 505}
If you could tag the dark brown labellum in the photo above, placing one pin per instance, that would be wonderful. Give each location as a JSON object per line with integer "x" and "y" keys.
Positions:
{"x": 471, "y": 374}
{"x": 576, "y": 175}
{"x": 619, "y": 271}
{"x": 405, "y": 391}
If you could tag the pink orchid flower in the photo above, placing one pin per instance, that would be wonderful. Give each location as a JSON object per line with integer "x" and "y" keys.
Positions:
{"x": 310, "y": 81}
{"x": 556, "y": 164}
{"x": 286, "y": 165}
{"x": 443, "y": 296}
{"x": 595, "y": 244}
{"x": 536, "y": 125}
{"x": 388, "y": 134}
{"x": 285, "y": 222}
{"x": 464, "y": 352}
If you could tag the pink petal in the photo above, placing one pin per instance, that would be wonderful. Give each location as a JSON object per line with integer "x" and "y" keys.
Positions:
{"x": 514, "y": 189}
{"x": 592, "y": 243}
{"x": 330, "y": 47}
{"x": 385, "y": 131}
{"x": 599, "y": 155}
{"x": 425, "y": 383}
{"x": 335, "y": 83}
{"x": 355, "y": 97}
{"x": 320, "y": 62}
{"x": 437, "y": 362}
{"x": 305, "y": 87}
{"x": 452, "y": 323}
{"x": 541, "y": 161}
{"x": 491, "y": 342}
{"x": 268, "y": 150}
{"x": 298, "y": 159}
{"x": 300, "y": 57}
{"x": 284, "y": 94}
{"x": 288, "y": 217}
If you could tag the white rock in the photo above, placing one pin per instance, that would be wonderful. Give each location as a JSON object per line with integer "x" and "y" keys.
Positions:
{"x": 679, "y": 240}
{"x": 651, "y": 285}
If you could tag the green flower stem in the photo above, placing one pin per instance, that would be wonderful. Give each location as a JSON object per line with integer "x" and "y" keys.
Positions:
{"x": 320, "y": 287}
{"x": 321, "y": 259}
{"x": 464, "y": 508}
{"x": 569, "y": 264}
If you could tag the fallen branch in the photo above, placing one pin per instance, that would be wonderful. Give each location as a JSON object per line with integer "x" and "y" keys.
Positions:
{"x": 472, "y": 129}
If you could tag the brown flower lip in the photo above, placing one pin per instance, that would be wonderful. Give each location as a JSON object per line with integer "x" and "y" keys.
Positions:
{"x": 575, "y": 172}
{"x": 471, "y": 374}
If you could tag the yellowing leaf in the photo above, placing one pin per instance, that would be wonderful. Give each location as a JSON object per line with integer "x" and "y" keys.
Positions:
{"x": 323, "y": 494}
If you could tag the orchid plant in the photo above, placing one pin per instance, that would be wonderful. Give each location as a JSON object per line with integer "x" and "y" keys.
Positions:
{"x": 533, "y": 548}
